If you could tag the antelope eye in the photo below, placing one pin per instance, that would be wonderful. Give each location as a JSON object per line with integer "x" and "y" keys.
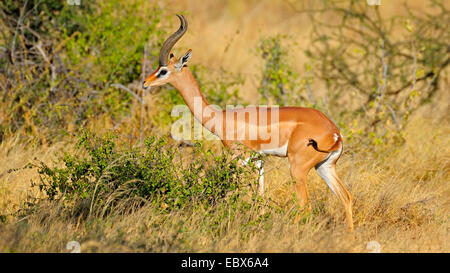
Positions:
{"x": 162, "y": 72}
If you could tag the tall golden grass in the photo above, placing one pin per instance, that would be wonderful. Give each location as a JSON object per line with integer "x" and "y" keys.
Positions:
{"x": 401, "y": 200}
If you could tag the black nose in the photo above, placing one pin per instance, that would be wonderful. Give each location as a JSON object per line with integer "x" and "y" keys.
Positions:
{"x": 143, "y": 85}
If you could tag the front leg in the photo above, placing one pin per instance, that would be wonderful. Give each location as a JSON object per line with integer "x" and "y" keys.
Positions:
{"x": 248, "y": 155}
{"x": 260, "y": 165}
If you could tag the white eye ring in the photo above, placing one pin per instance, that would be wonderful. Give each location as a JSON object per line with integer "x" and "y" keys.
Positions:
{"x": 165, "y": 75}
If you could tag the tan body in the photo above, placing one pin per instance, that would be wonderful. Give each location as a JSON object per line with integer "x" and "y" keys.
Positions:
{"x": 296, "y": 127}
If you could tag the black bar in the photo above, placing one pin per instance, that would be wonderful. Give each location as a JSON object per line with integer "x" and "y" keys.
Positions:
{"x": 220, "y": 262}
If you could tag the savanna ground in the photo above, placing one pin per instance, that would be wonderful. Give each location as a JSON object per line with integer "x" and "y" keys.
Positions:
{"x": 63, "y": 177}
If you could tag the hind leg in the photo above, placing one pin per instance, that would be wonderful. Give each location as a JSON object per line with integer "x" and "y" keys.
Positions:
{"x": 299, "y": 175}
{"x": 300, "y": 162}
{"x": 327, "y": 170}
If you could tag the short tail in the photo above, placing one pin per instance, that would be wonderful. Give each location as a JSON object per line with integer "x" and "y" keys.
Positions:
{"x": 313, "y": 143}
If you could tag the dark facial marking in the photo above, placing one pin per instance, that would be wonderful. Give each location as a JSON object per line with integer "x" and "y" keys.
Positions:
{"x": 185, "y": 59}
{"x": 162, "y": 72}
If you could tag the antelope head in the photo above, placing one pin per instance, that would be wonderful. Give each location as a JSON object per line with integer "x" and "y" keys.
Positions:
{"x": 169, "y": 66}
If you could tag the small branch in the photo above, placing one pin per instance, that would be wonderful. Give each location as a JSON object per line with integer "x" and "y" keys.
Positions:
{"x": 120, "y": 86}
{"x": 394, "y": 116}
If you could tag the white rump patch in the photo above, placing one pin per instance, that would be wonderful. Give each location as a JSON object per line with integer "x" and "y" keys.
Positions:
{"x": 324, "y": 168}
{"x": 336, "y": 137}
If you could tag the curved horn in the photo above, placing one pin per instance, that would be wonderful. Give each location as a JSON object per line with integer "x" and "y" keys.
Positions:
{"x": 170, "y": 42}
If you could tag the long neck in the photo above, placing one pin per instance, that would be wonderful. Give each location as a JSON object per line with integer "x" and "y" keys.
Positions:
{"x": 188, "y": 87}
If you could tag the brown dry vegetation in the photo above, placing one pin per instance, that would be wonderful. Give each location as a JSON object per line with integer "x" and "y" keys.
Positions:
{"x": 401, "y": 200}
{"x": 401, "y": 192}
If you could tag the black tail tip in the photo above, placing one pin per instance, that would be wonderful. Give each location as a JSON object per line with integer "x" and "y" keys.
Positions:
{"x": 313, "y": 143}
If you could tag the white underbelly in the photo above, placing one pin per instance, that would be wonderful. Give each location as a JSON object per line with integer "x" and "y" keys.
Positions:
{"x": 281, "y": 151}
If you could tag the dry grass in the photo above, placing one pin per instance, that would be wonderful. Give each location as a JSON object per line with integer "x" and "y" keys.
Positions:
{"x": 401, "y": 193}
{"x": 401, "y": 200}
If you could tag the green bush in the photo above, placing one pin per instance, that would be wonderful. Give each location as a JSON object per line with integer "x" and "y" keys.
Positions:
{"x": 279, "y": 81}
{"x": 377, "y": 70}
{"x": 58, "y": 61}
{"x": 107, "y": 178}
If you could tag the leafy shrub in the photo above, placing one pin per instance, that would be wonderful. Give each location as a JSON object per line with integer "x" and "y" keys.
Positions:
{"x": 279, "y": 83}
{"x": 108, "y": 178}
{"x": 58, "y": 62}
{"x": 378, "y": 70}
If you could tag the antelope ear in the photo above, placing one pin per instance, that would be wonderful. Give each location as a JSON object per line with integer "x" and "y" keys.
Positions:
{"x": 183, "y": 60}
{"x": 172, "y": 57}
